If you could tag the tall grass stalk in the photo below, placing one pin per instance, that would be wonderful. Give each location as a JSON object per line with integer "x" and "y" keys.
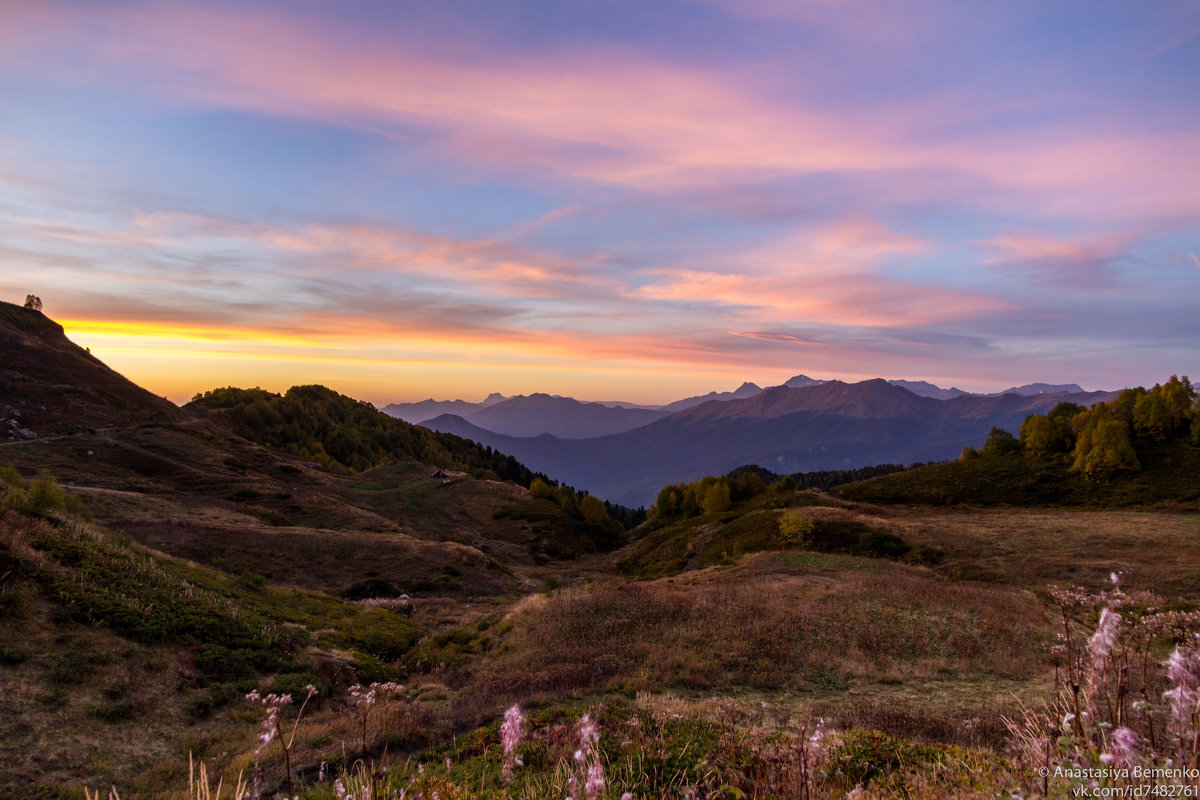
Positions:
{"x": 200, "y": 786}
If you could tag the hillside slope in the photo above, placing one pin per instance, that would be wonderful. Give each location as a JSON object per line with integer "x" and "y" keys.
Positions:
{"x": 310, "y": 489}
{"x": 116, "y": 660}
{"x": 51, "y": 386}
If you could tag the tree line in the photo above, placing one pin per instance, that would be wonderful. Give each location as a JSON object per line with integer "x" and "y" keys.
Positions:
{"x": 1104, "y": 439}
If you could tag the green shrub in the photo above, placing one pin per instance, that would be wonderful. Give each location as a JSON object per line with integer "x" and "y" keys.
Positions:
{"x": 11, "y": 477}
{"x": 295, "y": 683}
{"x": 43, "y": 497}
{"x": 74, "y": 666}
{"x": 222, "y": 663}
{"x": 865, "y": 755}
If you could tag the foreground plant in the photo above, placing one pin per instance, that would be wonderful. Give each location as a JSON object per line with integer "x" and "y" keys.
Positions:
{"x": 271, "y": 729}
{"x": 588, "y": 776}
{"x": 200, "y": 787}
{"x": 510, "y": 738}
{"x": 1121, "y": 715}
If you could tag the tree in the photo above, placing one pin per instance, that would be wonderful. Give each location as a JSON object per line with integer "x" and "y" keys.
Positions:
{"x": 794, "y": 528}
{"x": 747, "y": 485}
{"x": 784, "y": 485}
{"x": 716, "y": 498}
{"x": 1105, "y": 448}
{"x": 567, "y": 500}
{"x": 1165, "y": 410}
{"x": 1042, "y": 434}
{"x": 1122, "y": 407}
{"x": 593, "y": 511}
{"x": 690, "y": 506}
{"x": 539, "y": 488}
{"x": 33, "y": 302}
{"x": 1000, "y": 442}
{"x": 668, "y": 502}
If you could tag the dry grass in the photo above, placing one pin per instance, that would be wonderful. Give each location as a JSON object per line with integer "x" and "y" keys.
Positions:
{"x": 762, "y": 627}
{"x": 931, "y": 655}
{"x": 1032, "y": 548}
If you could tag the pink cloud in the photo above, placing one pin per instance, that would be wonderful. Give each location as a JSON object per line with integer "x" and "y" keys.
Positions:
{"x": 778, "y": 338}
{"x": 617, "y": 116}
{"x": 1081, "y": 264}
{"x": 500, "y": 267}
{"x": 835, "y": 275}
{"x": 1033, "y": 246}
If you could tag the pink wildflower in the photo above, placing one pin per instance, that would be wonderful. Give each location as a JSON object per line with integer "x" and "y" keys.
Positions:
{"x": 269, "y": 728}
{"x": 1105, "y": 637}
{"x": 1183, "y": 668}
{"x": 587, "y": 759}
{"x": 814, "y": 741}
{"x": 589, "y": 735}
{"x": 510, "y": 738}
{"x": 1121, "y": 745}
{"x": 595, "y": 781}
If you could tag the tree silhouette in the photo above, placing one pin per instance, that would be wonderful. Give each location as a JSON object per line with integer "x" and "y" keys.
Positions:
{"x": 33, "y": 302}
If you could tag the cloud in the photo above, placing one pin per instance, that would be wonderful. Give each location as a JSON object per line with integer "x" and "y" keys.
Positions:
{"x": 612, "y": 115}
{"x": 1081, "y": 264}
{"x": 778, "y": 337}
{"x": 833, "y": 274}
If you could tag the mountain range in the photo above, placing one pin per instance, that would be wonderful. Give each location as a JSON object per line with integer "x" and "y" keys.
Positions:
{"x": 819, "y": 426}
{"x": 568, "y": 418}
{"x": 619, "y": 452}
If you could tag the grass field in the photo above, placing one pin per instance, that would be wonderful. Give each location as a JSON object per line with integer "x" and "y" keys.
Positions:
{"x": 707, "y": 650}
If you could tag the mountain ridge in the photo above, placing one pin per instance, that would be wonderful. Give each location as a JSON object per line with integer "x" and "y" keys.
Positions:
{"x": 569, "y": 418}
{"x": 832, "y": 425}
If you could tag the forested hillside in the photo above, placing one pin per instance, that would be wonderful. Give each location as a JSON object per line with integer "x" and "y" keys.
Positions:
{"x": 347, "y": 435}
{"x": 1141, "y": 447}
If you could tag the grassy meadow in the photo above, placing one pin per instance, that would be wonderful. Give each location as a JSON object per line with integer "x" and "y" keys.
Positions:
{"x": 707, "y": 652}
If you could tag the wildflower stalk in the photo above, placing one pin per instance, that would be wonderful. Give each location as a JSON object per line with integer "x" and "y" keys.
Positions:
{"x": 364, "y": 701}
{"x": 272, "y": 728}
{"x": 588, "y": 776}
{"x": 510, "y": 738}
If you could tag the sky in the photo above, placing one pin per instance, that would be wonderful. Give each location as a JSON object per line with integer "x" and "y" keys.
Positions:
{"x": 608, "y": 200}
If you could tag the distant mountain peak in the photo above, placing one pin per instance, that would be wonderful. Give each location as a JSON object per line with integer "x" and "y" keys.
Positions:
{"x": 801, "y": 382}
{"x": 927, "y": 389}
{"x": 1042, "y": 388}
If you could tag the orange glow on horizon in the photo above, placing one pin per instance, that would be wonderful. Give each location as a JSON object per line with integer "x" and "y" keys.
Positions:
{"x": 179, "y": 361}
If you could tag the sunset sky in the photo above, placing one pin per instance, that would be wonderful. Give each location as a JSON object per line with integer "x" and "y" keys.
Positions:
{"x": 611, "y": 200}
